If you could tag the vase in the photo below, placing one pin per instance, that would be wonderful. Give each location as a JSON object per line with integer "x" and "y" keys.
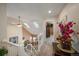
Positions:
{"x": 66, "y": 45}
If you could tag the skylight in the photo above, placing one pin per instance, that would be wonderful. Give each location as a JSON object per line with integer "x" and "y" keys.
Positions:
{"x": 36, "y": 24}
{"x": 27, "y": 25}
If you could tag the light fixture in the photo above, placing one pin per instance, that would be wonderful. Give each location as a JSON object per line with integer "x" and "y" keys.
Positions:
{"x": 49, "y": 11}
{"x": 36, "y": 24}
{"x": 30, "y": 38}
{"x": 19, "y": 25}
{"x": 27, "y": 25}
{"x": 34, "y": 39}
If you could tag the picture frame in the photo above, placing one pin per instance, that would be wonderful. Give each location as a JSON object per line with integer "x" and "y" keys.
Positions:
{"x": 14, "y": 39}
{"x": 49, "y": 29}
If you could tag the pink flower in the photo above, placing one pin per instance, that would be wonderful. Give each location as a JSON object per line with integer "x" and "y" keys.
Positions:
{"x": 61, "y": 26}
{"x": 65, "y": 30}
{"x": 70, "y": 31}
{"x": 70, "y": 24}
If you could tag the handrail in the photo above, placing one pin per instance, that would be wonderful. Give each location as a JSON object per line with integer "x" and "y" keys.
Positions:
{"x": 10, "y": 43}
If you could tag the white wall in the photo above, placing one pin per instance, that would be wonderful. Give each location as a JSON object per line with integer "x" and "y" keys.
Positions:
{"x": 14, "y": 30}
{"x": 3, "y": 21}
{"x": 70, "y": 10}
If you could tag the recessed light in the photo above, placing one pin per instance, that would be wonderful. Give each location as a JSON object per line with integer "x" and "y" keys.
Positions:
{"x": 49, "y": 11}
{"x": 26, "y": 25}
{"x": 36, "y": 24}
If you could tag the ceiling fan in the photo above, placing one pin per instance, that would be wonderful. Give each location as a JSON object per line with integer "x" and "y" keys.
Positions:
{"x": 17, "y": 24}
{"x": 20, "y": 23}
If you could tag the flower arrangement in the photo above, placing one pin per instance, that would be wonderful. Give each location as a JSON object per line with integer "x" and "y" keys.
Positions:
{"x": 66, "y": 30}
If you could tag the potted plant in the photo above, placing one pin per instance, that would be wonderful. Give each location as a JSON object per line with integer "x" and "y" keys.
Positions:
{"x": 3, "y": 51}
{"x": 66, "y": 30}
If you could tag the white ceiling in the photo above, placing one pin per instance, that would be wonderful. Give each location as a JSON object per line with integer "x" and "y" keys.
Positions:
{"x": 34, "y": 10}
{"x": 30, "y": 12}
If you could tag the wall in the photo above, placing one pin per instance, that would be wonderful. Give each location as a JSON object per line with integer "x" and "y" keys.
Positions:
{"x": 72, "y": 13}
{"x": 70, "y": 10}
{"x": 26, "y": 34}
{"x": 14, "y": 30}
{"x": 3, "y": 21}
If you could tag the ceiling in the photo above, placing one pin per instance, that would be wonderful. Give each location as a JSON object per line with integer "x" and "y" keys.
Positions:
{"x": 34, "y": 10}
{"x": 30, "y": 12}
